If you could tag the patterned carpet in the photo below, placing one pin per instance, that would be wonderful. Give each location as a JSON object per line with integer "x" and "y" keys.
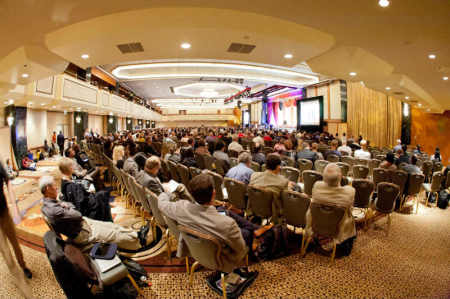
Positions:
{"x": 412, "y": 262}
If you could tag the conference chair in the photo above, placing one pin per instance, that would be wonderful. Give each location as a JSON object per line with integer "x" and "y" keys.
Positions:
{"x": 233, "y": 162}
{"x": 261, "y": 203}
{"x": 325, "y": 222}
{"x": 158, "y": 146}
{"x": 206, "y": 249}
{"x": 380, "y": 157}
{"x": 233, "y": 154}
{"x": 173, "y": 171}
{"x": 373, "y": 163}
{"x": 237, "y": 193}
{"x": 363, "y": 191}
{"x": 209, "y": 162}
{"x": 400, "y": 178}
{"x": 364, "y": 162}
{"x": 437, "y": 166}
{"x": 343, "y": 153}
{"x": 255, "y": 166}
{"x": 291, "y": 173}
{"x": 218, "y": 181}
{"x": 385, "y": 202}
{"x": 139, "y": 200}
{"x": 434, "y": 187}
{"x": 165, "y": 169}
{"x": 221, "y": 168}
{"x": 193, "y": 171}
{"x": 381, "y": 175}
{"x": 345, "y": 168}
{"x": 320, "y": 165}
{"x": 304, "y": 164}
{"x": 268, "y": 150}
{"x": 295, "y": 205}
{"x": 333, "y": 158}
{"x": 263, "y": 167}
{"x": 309, "y": 178}
{"x": 414, "y": 184}
{"x": 360, "y": 171}
{"x": 288, "y": 161}
{"x": 183, "y": 174}
{"x": 173, "y": 228}
{"x": 349, "y": 160}
{"x": 427, "y": 170}
{"x": 200, "y": 161}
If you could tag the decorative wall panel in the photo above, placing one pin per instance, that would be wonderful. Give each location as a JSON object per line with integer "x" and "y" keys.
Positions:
{"x": 73, "y": 90}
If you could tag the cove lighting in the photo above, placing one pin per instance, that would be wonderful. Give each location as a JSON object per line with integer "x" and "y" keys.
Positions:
{"x": 445, "y": 78}
{"x": 85, "y": 56}
{"x": 25, "y": 75}
{"x": 288, "y": 56}
{"x": 185, "y": 46}
{"x": 432, "y": 56}
{"x": 384, "y": 3}
{"x": 353, "y": 74}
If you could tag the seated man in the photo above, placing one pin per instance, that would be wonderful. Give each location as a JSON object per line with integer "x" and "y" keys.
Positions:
{"x": 95, "y": 206}
{"x": 330, "y": 192}
{"x": 242, "y": 172}
{"x": 83, "y": 231}
{"x": 412, "y": 168}
{"x": 78, "y": 170}
{"x": 362, "y": 153}
{"x": 389, "y": 162}
{"x": 235, "y": 146}
{"x": 344, "y": 148}
{"x": 333, "y": 151}
{"x": 130, "y": 166}
{"x": 306, "y": 153}
{"x": 148, "y": 177}
{"x": 233, "y": 230}
{"x": 219, "y": 154}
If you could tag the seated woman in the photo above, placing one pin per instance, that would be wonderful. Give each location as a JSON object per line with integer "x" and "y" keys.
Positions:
{"x": 95, "y": 206}
{"x": 28, "y": 164}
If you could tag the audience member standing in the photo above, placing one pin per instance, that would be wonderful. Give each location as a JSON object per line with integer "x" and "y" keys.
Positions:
{"x": 60, "y": 142}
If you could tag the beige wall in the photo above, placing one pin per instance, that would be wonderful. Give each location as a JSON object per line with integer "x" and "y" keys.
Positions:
{"x": 331, "y": 93}
{"x": 36, "y": 127}
{"x": 54, "y": 122}
{"x": 5, "y": 145}
{"x": 95, "y": 123}
{"x": 171, "y": 124}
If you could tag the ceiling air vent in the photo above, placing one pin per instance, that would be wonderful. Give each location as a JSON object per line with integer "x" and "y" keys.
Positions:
{"x": 130, "y": 48}
{"x": 241, "y": 48}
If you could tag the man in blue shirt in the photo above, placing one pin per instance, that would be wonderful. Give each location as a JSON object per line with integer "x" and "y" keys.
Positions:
{"x": 242, "y": 172}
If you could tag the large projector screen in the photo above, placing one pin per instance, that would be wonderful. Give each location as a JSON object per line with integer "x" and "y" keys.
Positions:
{"x": 310, "y": 113}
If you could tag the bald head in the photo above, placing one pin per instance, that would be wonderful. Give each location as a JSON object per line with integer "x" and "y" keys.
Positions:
{"x": 332, "y": 175}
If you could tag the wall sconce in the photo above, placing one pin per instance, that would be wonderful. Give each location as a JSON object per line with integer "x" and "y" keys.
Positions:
{"x": 111, "y": 120}
{"x": 78, "y": 119}
{"x": 129, "y": 121}
{"x": 405, "y": 110}
{"x": 10, "y": 120}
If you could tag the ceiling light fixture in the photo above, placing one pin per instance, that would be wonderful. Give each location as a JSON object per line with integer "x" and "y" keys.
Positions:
{"x": 406, "y": 98}
{"x": 384, "y": 3}
{"x": 432, "y": 56}
{"x": 85, "y": 56}
{"x": 42, "y": 104}
{"x": 185, "y": 46}
{"x": 353, "y": 74}
{"x": 30, "y": 103}
{"x": 388, "y": 88}
{"x": 420, "y": 105}
{"x": 25, "y": 75}
{"x": 288, "y": 56}
{"x": 445, "y": 78}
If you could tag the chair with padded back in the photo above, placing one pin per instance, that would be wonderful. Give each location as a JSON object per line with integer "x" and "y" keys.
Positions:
{"x": 333, "y": 158}
{"x": 349, "y": 160}
{"x": 173, "y": 228}
{"x": 437, "y": 166}
{"x": 200, "y": 161}
{"x": 381, "y": 175}
{"x": 291, "y": 173}
{"x": 380, "y": 157}
{"x": 363, "y": 191}
{"x": 319, "y": 165}
{"x": 288, "y": 161}
{"x": 434, "y": 187}
{"x": 325, "y": 222}
{"x": 237, "y": 193}
{"x": 360, "y": 171}
{"x": 387, "y": 193}
{"x": 373, "y": 163}
{"x": 260, "y": 202}
{"x": 427, "y": 170}
{"x": 218, "y": 181}
{"x": 233, "y": 162}
{"x": 295, "y": 205}
{"x": 255, "y": 166}
{"x": 268, "y": 150}
{"x": 343, "y": 153}
{"x": 183, "y": 173}
{"x": 221, "y": 168}
{"x": 165, "y": 169}
{"x": 233, "y": 154}
{"x": 345, "y": 168}
{"x": 359, "y": 161}
{"x": 209, "y": 162}
{"x": 309, "y": 178}
{"x": 138, "y": 198}
{"x": 400, "y": 178}
{"x": 263, "y": 167}
{"x": 193, "y": 171}
{"x": 173, "y": 171}
{"x": 304, "y": 164}
{"x": 414, "y": 186}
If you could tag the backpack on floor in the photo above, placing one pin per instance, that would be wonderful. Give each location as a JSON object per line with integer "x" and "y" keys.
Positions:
{"x": 443, "y": 199}
{"x": 273, "y": 243}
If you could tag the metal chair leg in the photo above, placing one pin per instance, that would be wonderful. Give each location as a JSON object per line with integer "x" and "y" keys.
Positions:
{"x": 187, "y": 264}
{"x": 334, "y": 251}
{"x": 224, "y": 286}
{"x": 191, "y": 276}
{"x": 306, "y": 246}
{"x": 389, "y": 220}
{"x": 133, "y": 282}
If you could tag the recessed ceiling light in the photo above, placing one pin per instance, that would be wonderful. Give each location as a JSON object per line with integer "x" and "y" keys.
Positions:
{"x": 406, "y": 98}
{"x": 288, "y": 56}
{"x": 186, "y": 46}
{"x": 384, "y": 3}
{"x": 353, "y": 74}
{"x": 388, "y": 88}
{"x": 420, "y": 105}
{"x": 25, "y": 75}
{"x": 11, "y": 101}
{"x": 42, "y": 104}
{"x": 432, "y": 56}
{"x": 30, "y": 103}
{"x": 445, "y": 78}
{"x": 85, "y": 56}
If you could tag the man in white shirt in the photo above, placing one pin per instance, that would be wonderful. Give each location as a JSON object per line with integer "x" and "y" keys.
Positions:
{"x": 345, "y": 148}
{"x": 258, "y": 139}
{"x": 362, "y": 153}
{"x": 235, "y": 146}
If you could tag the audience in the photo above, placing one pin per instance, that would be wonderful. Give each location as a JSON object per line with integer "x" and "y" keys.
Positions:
{"x": 344, "y": 148}
{"x": 412, "y": 168}
{"x": 306, "y": 153}
{"x": 130, "y": 166}
{"x": 242, "y": 172}
{"x": 389, "y": 162}
{"x": 362, "y": 153}
{"x": 257, "y": 155}
{"x": 219, "y": 153}
{"x": 235, "y": 146}
{"x": 148, "y": 177}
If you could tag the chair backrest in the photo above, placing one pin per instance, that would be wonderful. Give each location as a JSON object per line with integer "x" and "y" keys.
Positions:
{"x": 309, "y": 178}
{"x": 220, "y": 166}
{"x": 140, "y": 192}
{"x": 386, "y": 195}
{"x": 380, "y": 157}
{"x": 204, "y": 248}
{"x": 436, "y": 181}
{"x": 326, "y": 219}
{"x": 268, "y": 150}
{"x": 183, "y": 173}
{"x": 381, "y": 175}
{"x": 200, "y": 161}
{"x": 218, "y": 180}
{"x": 399, "y": 177}
{"x": 165, "y": 169}
{"x": 427, "y": 168}
{"x": 288, "y": 161}
{"x": 172, "y": 225}
{"x": 233, "y": 162}
{"x": 233, "y": 154}
{"x": 447, "y": 181}
{"x": 209, "y": 162}
{"x": 237, "y": 192}
{"x": 363, "y": 190}
{"x": 291, "y": 173}
{"x": 263, "y": 167}
{"x": 304, "y": 164}
{"x": 349, "y": 160}
{"x": 260, "y": 201}
{"x": 415, "y": 182}
{"x": 295, "y": 205}
{"x": 360, "y": 171}
{"x": 374, "y": 163}
{"x": 156, "y": 212}
{"x": 343, "y": 153}
{"x": 345, "y": 168}
{"x": 437, "y": 166}
{"x": 173, "y": 171}
{"x": 359, "y": 161}
{"x": 320, "y": 165}
{"x": 333, "y": 158}
{"x": 194, "y": 171}
{"x": 255, "y": 166}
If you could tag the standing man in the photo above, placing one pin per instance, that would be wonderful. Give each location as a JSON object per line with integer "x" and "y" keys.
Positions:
{"x": 8, "y": 231}
{"x": 60, "y": 142}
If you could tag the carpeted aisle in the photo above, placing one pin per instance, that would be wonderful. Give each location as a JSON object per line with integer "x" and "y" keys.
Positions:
{"x": 412, "y": 262}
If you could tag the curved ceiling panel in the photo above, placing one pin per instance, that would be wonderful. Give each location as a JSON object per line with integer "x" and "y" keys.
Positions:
{"x": 209, "y": 31}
